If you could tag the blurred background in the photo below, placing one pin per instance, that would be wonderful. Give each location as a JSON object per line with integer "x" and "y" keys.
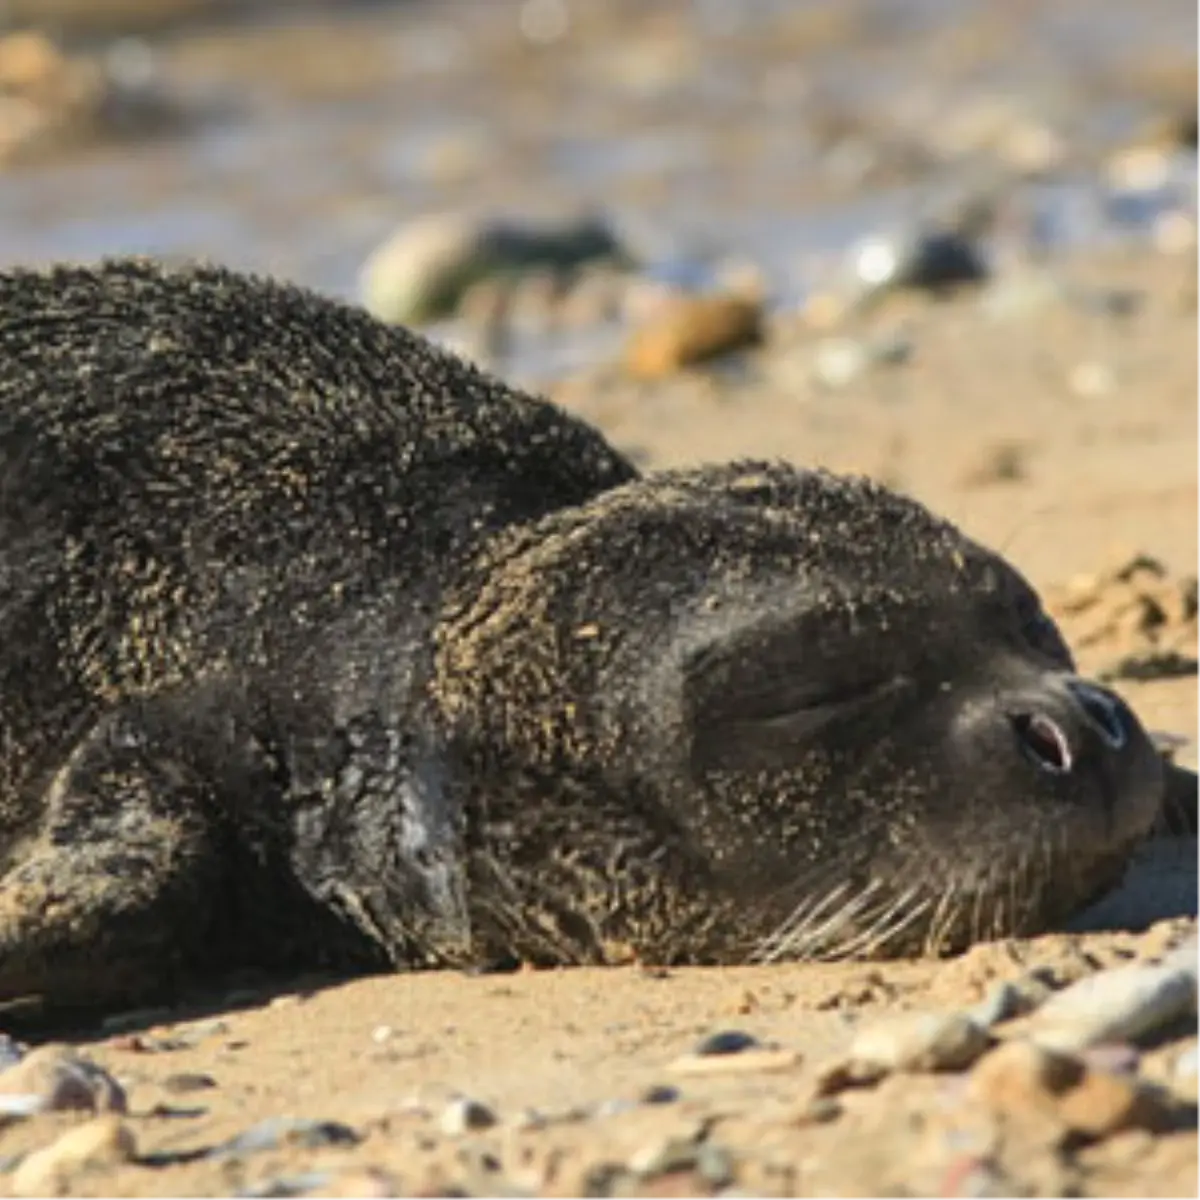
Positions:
{"x": 546, "y": 170}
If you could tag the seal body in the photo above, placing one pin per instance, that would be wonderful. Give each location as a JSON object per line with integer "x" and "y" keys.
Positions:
{"x": 319, "y": 648}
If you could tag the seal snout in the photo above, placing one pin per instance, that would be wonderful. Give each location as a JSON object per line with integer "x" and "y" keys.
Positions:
{"x": 1083, "y": 734}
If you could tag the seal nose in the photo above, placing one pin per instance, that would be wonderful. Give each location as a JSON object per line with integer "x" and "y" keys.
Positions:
{"x": 1046, "y": 737}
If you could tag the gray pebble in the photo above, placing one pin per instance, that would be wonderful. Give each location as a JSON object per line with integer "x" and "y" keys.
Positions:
{"x": 63, "y": 1081}
{"x": 1001, "y": 1002}
{"x": 920, "y": 1042}
{"x": 1118, "y": 1005}
{"x": 715, "y": 1164}
{"x": 727, "y": 1041}
{"x": 463, "y": 1114}
{"x": 11, "y": 1052}
{"x": 660, "y": 1093}
{"x": 662, "y": 1157}
{"x": 188, "y": 1081}
{"x": 289, "y": 1185}
{"x": 275, "y": 1132}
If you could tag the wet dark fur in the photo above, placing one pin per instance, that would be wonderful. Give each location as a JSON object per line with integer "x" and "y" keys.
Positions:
{"x": 320, "y": 648}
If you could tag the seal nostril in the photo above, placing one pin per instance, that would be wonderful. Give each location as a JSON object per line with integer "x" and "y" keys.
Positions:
{"x": 1104, "y": 712}
{"x": 1043, "y": 740}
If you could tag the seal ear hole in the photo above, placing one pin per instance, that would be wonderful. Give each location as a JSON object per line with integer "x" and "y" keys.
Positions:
{"x": 1043, "y": 741}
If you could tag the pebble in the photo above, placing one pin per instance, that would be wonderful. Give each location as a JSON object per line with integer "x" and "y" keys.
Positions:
{"x": 925, "y": 261}
{"x": 463, "y": 1114}
{"x": 1026, "y": 1081}
{"x": 188, "y": 1081}
{"x": 11, "y": 1052}
{"x": 422, "y": 272}
{"x": 715, "y": 1164}
{"x": 62, "y": 1080}
{"x": 1117, "y": 1005}
{"x": 687, "y": 330}
{"x": 48, "y": 1172}
{"x": 919, "y": 1042}
{"x": 662, "y": 1156}
{"x": 275, "y": 1132}
{"x": 660, "y": 1094}
{"x": 1004, "y": 1000}
{"x": 726, "y": 1041}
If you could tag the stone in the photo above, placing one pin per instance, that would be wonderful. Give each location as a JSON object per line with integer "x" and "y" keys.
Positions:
{"x": 1028, "y": 1082}
{"x": 919, "y": 1042}
{"x": 104, "y": 1141}
{"x": 1121, "y": 1004}
{"x": 463, "y": 1115}
{"x": 687, "y": 330}
{"x": 63, "y": 1081}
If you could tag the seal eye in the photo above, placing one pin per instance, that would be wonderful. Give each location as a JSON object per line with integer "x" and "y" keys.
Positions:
{"x": 1044, "y": 742}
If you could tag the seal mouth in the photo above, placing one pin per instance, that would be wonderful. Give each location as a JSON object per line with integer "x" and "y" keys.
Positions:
{"x": 1043, "y": 742}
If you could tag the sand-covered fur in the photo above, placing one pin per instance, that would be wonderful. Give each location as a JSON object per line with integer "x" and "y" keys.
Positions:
{"x": 319, "y": 647}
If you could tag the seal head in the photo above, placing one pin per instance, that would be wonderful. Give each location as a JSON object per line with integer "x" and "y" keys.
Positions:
{"x": 776, "y": 713}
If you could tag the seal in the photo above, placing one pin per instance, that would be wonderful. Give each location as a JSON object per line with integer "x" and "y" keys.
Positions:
{"x": 321, "y": 649}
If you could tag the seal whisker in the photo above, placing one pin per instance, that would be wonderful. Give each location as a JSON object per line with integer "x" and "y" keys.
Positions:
{"x": 815, "y": 936}
{"x": 890, "y": 922}
{"x": 777, "y": 944}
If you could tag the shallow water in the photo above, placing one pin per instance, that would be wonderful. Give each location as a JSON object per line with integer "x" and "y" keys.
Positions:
{"x": 693, "y": 125}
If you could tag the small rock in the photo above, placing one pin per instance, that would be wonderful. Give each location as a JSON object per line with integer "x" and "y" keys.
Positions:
{"x": 1004, "y": 1000}
{"x": 424, "y": 270}
{"x": 188, "y": 1081}
{"x": 661, "y": 1157}
{"x": 463, "y": 1114}
{"x": 660, "y": 1093}
{"x": 289, "y": 1185}
{"x": 11, "y": 1052}
{"x": 275, "y": 1132}
{"x": 1024, "y": 1080}
{"x": 919, "y": 1042}
{"x": 1117, "y": 1005}
{"x": 63, "y": 1080}
{"x": 104, "y": 1141}
{"x": 932, "y": 260}
{"x": 692, "y": 329}
{"x": 714, "y": 1164}
{"x": 727, "y": 1041}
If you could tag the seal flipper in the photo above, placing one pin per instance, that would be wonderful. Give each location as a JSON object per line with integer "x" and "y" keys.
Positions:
{"x": 115, "y": 890}
{"x": 378, "y": 837}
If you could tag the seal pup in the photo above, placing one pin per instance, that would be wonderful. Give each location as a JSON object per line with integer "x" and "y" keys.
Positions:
{"x": 321, "y": 649}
